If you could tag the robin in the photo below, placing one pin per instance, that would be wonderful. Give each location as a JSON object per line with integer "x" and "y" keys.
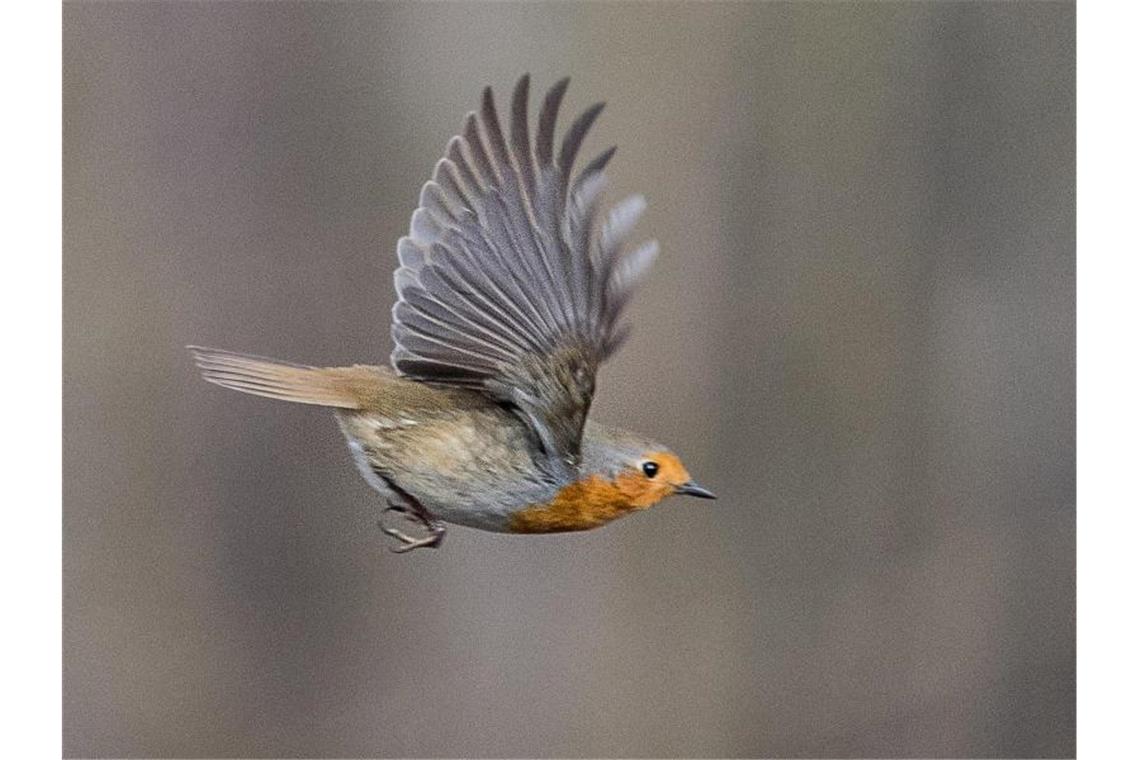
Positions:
{"x": 510, "y": 294}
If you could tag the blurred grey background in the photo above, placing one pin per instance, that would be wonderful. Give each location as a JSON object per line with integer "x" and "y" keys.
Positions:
{"x": 860, "y": 333}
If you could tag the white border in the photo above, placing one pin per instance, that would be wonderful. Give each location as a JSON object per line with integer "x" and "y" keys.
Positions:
{"x": 1107, "y": 384}
{"x": 31, "y": 440}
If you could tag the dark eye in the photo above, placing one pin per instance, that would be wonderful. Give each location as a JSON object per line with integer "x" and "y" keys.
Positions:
{"x": 650, "y": 469}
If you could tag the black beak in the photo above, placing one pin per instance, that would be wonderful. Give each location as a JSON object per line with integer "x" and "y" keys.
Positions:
{"x": 692, "y": 489}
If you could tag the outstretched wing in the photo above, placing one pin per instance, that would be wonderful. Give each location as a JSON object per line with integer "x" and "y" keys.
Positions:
{"x": 507, "y": 281}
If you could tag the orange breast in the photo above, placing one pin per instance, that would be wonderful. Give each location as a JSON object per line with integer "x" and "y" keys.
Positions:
{"x": 586, "y": 504}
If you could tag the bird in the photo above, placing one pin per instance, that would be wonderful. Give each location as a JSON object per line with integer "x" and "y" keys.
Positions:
{"x": 511, "y": 288}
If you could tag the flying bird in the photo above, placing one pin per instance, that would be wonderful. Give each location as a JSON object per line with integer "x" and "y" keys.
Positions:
{"x": 511, "y": 292}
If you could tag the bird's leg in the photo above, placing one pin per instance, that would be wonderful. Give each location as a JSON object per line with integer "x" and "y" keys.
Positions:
{"x": 396, "y": 505}
{"x": 409, "y": 508}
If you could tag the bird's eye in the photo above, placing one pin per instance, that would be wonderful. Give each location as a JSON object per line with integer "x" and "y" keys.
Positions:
{"x": 650, "y": 469}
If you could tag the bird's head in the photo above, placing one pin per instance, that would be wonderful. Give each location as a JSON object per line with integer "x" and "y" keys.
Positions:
{"x": 621, "y": 472}
{"x": 653, "y": 475}
{"x": 643, "y": 471}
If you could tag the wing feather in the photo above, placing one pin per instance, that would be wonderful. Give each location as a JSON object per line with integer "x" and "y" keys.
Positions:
{"x": 520, "y": 137}
{"x": 507, "y": 281}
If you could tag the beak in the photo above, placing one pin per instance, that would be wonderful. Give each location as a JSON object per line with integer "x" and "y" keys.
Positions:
{"x": 692, "y": 489}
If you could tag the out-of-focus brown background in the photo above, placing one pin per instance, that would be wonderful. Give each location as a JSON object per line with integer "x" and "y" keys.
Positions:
{"x": 860, "y": 333}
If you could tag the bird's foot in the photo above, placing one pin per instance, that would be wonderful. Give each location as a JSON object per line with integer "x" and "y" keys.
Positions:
{"x": 436, "y": 531}
{"x": 407, "y": 542}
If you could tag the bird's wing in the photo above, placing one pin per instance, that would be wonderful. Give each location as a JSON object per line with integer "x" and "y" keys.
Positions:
{"x": 508, "y": 282}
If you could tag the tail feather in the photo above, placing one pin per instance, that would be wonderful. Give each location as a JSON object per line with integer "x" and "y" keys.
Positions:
{"x": 339, "y": 387}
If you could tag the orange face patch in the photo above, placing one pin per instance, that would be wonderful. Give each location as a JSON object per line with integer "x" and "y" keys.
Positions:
{"x": 644, "y": 491}
{"x": 595, "y": 501}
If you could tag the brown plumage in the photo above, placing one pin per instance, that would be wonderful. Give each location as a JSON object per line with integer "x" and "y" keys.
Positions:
{"x": 510, "y": 294}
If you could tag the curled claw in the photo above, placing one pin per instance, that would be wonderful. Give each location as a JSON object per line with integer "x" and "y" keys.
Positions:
{"x": 434, "y": 539}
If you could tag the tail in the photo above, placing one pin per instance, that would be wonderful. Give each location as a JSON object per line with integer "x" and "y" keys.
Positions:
{"x": 339, "y": 387}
